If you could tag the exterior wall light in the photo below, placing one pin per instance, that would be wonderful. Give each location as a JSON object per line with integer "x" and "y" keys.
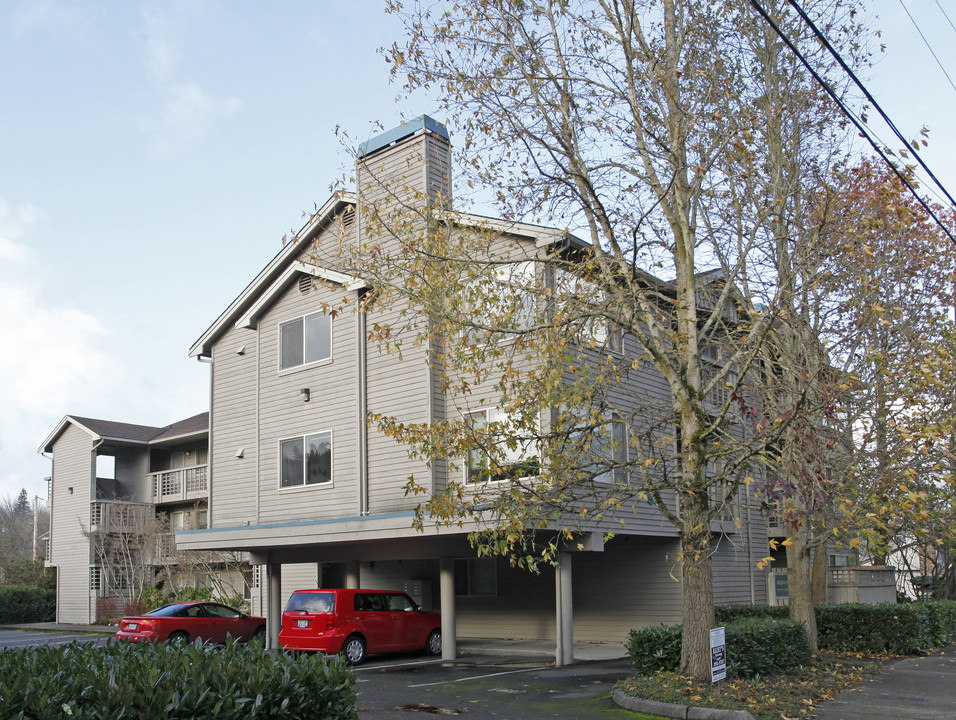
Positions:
{"x": 306, "y": 394}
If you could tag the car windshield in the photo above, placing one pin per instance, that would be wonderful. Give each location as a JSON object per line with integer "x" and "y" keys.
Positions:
{"x": 311, "y": 602}
{"x": 167, "y": 610}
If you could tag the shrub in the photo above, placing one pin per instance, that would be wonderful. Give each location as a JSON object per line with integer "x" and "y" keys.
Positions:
{"x": 942, "y": 621}
{"x": 157, "y": 681}
{"x": 24, "y": 571}
{"x": 20, "y": 604}
{"x": 755, "y": 647}
{"x": 654, "y": 649}
{"x": 724, "y": 614}
{"x": 885, "y": 628}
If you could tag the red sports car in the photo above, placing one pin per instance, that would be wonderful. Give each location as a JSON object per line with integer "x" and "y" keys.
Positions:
{"x": 187, "y": 621}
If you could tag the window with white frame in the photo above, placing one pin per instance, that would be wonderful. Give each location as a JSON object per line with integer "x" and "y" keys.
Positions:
{"x": 498, "y": 449}
{"x": 306, "y": 460}
{"x": 305, "y": 340}
{"x": 609, "y": 450}
{"x": 501, "y": 301}
{"x": 573, "y": 295}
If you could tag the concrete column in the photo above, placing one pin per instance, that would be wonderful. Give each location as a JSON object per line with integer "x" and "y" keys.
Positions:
{"x": 449, "y": 645}
{"x": 274, "y": 605}
{"x": 564, "y": 611}
{"x": 352, "y": 575}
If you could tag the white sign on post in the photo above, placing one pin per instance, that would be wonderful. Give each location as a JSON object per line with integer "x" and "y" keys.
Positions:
{"x": 718, "y": 655}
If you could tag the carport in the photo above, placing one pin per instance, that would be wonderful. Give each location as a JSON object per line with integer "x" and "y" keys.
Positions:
{"x": 377, "y": 538}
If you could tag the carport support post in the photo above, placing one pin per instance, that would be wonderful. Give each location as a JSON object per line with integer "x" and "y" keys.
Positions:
{"x": 274, "y": 605}
{"x": 446, "y": 577}
{"x": 352, "y": 575}
{"x": 564, "y": 612}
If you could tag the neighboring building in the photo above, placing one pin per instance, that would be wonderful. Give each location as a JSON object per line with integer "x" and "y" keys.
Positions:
{"x": 316, "y": 496}
{"x": 107, "y": 477}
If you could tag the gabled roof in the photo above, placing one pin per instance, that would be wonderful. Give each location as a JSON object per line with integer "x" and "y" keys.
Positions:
{"x": 129, "y": 433}
{"x": 272, "y": 273}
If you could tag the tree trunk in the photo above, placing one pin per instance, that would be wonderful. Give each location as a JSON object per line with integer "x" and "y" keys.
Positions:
{"x": 798, "y": 582}
{"x": 818, "y": 578}
{"x": 698, "y": 586}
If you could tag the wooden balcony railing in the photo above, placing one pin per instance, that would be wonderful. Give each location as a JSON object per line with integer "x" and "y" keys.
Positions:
{"x": 182, "y": 484}
{"x": 119, "y": 516}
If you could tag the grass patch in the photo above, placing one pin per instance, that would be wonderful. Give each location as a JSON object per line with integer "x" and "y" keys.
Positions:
{"x": 770, "y": 698}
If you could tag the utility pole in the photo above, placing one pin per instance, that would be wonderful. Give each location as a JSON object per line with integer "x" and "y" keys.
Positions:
{"x": 36, "y": 502}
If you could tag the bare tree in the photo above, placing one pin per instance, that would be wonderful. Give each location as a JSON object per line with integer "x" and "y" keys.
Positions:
{"x": 617, "y": 118}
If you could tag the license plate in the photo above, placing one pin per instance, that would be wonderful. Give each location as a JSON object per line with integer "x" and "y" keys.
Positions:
{"x": 302, "y": 623}
{"x": 132, "y": 626}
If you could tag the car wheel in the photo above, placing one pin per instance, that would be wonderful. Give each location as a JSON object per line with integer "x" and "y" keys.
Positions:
{"x": 179, "y": 636}
{"x": 353, "y": 649}
{"x": 433, "y": 643}
{"x": 260, "y": 634}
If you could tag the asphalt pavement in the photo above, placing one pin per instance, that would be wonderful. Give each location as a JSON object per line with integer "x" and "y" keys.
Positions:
{"x": 920, "y": 688}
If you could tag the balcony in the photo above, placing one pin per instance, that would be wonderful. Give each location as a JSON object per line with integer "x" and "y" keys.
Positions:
{"x": 118, "y": 516}
{"x": 180, "y": 485}
{"x": 867, "y": 584}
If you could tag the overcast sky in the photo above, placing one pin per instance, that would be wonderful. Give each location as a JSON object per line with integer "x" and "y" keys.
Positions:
{"x": 152, "y": 155}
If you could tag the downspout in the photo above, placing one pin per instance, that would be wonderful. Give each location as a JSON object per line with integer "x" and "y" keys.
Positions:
{"x": 750, "y": 551}
{"x": 258, "y": 434}
{"x": 363, "y": 499}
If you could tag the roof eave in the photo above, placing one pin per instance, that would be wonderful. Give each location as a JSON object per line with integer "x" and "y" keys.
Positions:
{"x": 203, "y": 346}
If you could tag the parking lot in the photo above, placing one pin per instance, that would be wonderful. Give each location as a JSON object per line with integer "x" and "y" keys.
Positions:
{"x": 483, "y": 687}
{"x": 29, "y": 638}
{"x": 478, "y": 685}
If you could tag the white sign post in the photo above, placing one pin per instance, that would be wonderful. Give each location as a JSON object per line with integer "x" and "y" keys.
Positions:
{"x": 718, "y": 656}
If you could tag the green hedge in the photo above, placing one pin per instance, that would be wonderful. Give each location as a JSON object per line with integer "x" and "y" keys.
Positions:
{"x": 755, "y": 647}
{"x": 724, "y": 614}
{"x": 654, "y": 649}
{"x": 942, "y": 621}
{"x": 898, "y": 629}
{"x": 158, "y": 681}
{"x": 895, "y": 628}
{"x": 21, "y": 604}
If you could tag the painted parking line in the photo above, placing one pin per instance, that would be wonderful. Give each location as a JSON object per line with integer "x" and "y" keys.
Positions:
{"x": 479, "y": 677}
{"x": 388, "y": 665}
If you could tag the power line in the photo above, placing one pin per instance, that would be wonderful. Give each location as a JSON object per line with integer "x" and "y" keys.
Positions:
{"x": 926, "y": 43}
{"x": 945, "y": 15}
{"x": 864, "y": 131}
{"x": 876, "y": 106}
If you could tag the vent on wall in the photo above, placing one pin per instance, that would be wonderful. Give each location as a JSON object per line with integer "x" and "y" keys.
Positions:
{"x": 348, "y": 217}
{"x": 305, "y": 284}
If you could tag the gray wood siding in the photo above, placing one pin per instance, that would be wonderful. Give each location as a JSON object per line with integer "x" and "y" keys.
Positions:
{"x": 406, "y": 172}
{"x": 400, "y": 388}
{"x": 438, "y": 170}
{"x": 297, "y": 576}
{"x": 283, "y": 414}
{"x": 737, "y": 579}
{"x": 631, "y": 584}
{"x": 70, "y": 516}
{"x": 232, "y": 490}
{"x": 523, "y": 608}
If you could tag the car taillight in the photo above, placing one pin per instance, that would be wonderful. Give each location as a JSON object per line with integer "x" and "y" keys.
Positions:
{"x": 145, "y": 624}
{"x": 329, "y": 621}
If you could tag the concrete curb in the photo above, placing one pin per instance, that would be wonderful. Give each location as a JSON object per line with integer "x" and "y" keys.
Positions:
{"x": 673, "y": 710}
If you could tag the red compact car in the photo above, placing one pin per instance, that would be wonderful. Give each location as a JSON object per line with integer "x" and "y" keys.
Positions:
{"x": 209, "y": 621}
{"x": 358, "y": 622}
